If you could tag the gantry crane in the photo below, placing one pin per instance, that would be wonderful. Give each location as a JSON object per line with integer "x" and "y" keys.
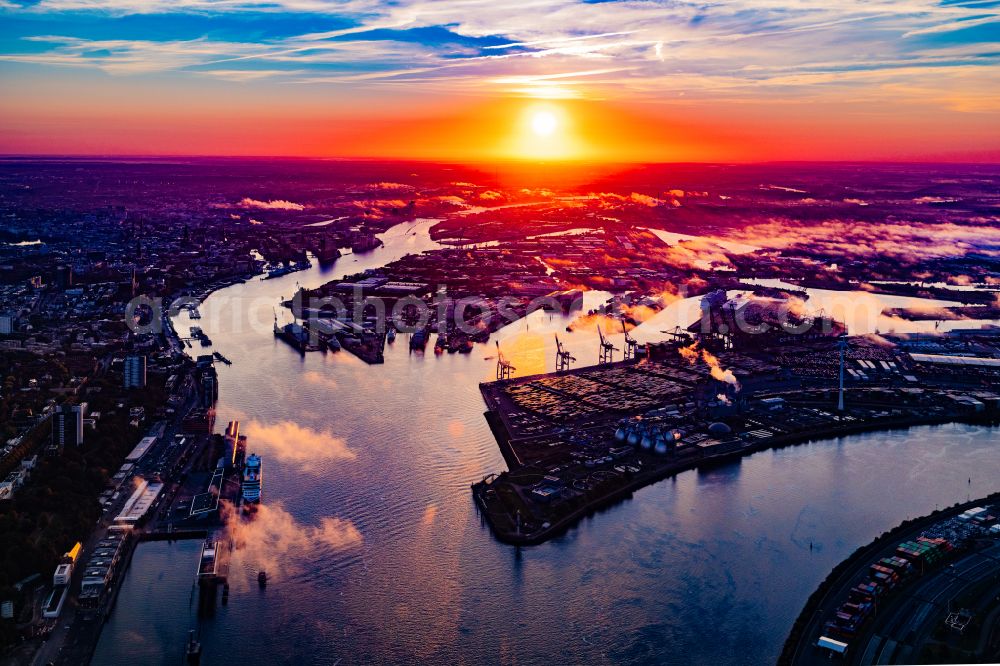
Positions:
{"x": 631, "y": 346}
{"x": 504, "y": 369}
{"x": 607, "y": 350}
{"x": 563, "y": 357}
{"x": 678, "y": 334}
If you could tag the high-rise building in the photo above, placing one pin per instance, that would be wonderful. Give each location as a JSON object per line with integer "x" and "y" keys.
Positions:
{"x": 64, "y": 277}
{"x": 135, "y": 371}
{"x": 67, "y": 425}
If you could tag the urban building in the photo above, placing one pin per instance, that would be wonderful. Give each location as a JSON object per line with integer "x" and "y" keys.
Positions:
{"x": 135, "y": 371}
{"x": 67, "y": 425}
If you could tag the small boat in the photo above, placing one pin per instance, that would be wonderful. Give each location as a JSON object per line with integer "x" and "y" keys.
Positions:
{"x": 262, "y": 578}
{"x": 193, "y": 650}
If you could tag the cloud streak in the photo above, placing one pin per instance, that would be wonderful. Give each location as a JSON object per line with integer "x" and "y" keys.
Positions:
{"x": 647, "y": 48}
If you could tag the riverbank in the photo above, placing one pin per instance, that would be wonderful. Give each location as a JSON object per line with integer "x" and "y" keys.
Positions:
{"x": 503, "y": 532}
{"x": 806, "y": 629}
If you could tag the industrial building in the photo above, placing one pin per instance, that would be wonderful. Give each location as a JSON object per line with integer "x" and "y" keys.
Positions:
{"x": 139, "y": 504}
{"x": 102, "y": 567}
{"x": 141, "y": 449}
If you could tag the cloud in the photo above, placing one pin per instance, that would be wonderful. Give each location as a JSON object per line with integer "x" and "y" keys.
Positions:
{"x": 649, "y": 50}
{"x": 294, "y": 443}
{"x": 321, "y": 380}
{"x": 393, "y": 186}
{"x": 907, "y": 241}
{"x": 272, "y": 540}
{"x": 645, "y": 200}
{"x": 274, "y": 204}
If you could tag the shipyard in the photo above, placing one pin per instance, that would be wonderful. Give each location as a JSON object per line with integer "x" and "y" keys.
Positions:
{"x": 748, "y": 375}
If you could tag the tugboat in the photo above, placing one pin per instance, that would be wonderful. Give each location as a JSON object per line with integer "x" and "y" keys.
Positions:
{"x": 262, "y": 578}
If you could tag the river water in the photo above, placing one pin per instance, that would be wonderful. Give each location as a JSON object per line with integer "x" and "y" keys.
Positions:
{"x": 375, "y": 552}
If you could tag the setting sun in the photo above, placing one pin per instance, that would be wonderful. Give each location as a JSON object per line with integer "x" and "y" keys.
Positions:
{"x": 544, "y": 131}
{"x": 543, "y": 123}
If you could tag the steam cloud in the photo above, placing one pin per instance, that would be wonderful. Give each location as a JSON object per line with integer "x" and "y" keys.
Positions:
{"x": 294, "y": 443}
{"x": 274, "y": 204}
{"x": 273, "y": 541}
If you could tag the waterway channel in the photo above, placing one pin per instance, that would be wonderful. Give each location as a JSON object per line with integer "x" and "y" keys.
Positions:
{"x": 376, "y": 554}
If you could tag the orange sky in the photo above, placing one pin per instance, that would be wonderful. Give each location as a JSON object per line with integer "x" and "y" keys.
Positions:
{"x": 475, "y": 130}
{"x": 460, "y": 80}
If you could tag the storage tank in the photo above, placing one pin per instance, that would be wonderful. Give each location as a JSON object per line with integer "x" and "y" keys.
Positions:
{"x": 649, "y": 438}
{"x": 635, "y": 435}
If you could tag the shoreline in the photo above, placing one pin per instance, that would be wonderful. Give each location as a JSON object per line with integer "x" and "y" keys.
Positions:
{"x": 642, "y": 480}
{"x": 846, "y": 571}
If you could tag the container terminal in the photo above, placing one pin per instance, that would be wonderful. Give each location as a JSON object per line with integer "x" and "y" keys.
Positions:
{"x": 578, "y": 439}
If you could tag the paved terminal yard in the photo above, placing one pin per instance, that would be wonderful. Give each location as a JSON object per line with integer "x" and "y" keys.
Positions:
{"x": 578, "y": 439}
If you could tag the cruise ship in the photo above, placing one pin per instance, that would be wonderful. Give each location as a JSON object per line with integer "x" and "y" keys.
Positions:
{"x": 252, "y": 478}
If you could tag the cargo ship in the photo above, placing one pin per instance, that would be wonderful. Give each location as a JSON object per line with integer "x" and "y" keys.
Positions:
{"x": 252, "y": 479}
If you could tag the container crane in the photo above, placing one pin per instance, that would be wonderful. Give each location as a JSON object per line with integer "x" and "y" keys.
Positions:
{"x": 504, "y": 367}
{"x": 631, "y": 346}
{"x": 563, "y": 357}
{"x": 678, "y": 334}
{"x": 607, "y": 350}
